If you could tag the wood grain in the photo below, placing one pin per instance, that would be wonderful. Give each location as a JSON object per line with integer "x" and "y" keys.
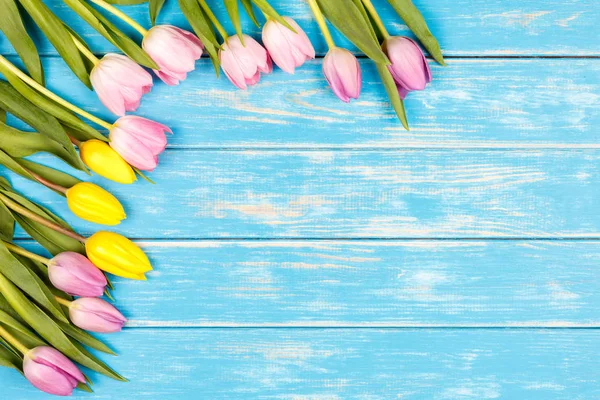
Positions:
{"x": 358, "y": 194}
{"x": 365, "y": 283}
{"x": 463, "y": 27}
{"x": 540, "y": 103}
{"x": 308, "y": 364}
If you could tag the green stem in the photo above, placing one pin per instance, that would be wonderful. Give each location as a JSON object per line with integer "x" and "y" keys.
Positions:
{"x": 213, "y": 19}
{"x": 16, "y": 207}
{"x": 62, "y": 301}
{"x": 48, "y": 184}
{"x": 369, "y": 6}
{"x": 13, "y": 341}
{"x": 31, "y": 82}
{"x": 322, "y": 24}
{"x": 25, "y": 253}
{"x": 121, "y": 15}
{"x": 85, "y": 51}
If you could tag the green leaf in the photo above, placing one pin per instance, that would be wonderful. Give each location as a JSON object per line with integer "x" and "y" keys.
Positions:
{"x": 50, "y": 174}
{"x": 266, "y": 8}
{"x": 250, "y": 11}
{"x": 155, "y": 7}
{"x": 18, "y": 328}
{"x": 44, "y": 123}
{"x": 9, "y": 359}
{"x": 20, "y": 144}
{"x": 413, "y": 18}
{"x": 234, "y": 16}
{"x": 7, "y": 223}
{"x": 349, "y": 20}
{"x": 60, "y": 37}
{"x": 84, "y": 338}
{"x": 50, "y": 331}
{"x": 142, "y": 175}
{"x": 84, "y": 387}
{"x": 51, "y": 240}
{"x": 393, "y": 94}
{"x": 203, "y": 28}
{"x": 126, "y": 2}
{"x": 59, "y": 112}
{"x": 14, "y": 166}
{"x": 12, "y": 26}
{"x": 2, "y": 116}
{"x": 111, "y": 33}
{"x": 361, "y": 7}
{"x": 29, "y": 282}
{"x": 24, "y": 168}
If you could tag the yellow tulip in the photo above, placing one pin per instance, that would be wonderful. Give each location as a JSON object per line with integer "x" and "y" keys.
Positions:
{"x": 117, "y": 255}
{"x": 106, "y": 162}
{"x": 94, "y": 204}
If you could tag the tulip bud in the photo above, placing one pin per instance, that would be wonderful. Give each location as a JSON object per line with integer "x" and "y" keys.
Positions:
{"x": 243, "y": 63}
{"x": 139, "y": 141}
{"x": 288, "y": 49}
{"x": 117, "y": 255}
{"x": 409, "y": 66}
{"x": 76, "y": 275}
{"x": 106, "y": 162}
{"x": 50, "y": 371}
{"x": 120, "y": 83}
{"x": 174, "y": 50}
{"x": 343, "y": 74}
{"x": 94, "y": 204}
{"x": 96, "y": 315}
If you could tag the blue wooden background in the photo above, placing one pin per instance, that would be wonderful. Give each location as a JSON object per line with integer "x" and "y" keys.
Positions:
{"x": 309, "y": 249}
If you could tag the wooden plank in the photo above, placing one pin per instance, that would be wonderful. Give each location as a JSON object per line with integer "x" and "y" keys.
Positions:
{"x": 342, "y": 364}
{"x": 471, "y": 104}
{"x": 463, "y": 27}
{"x": 365, "y": 283}
{"x": 359, "y": 194}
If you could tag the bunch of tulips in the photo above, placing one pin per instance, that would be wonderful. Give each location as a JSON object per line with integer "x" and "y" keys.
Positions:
{"x": 48, "y": 304}
{"x": 77, "y": 269}
{"x": 120, "y": 83}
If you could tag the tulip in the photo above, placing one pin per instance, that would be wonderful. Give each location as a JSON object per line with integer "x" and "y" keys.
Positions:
{"x": 96, "y": 315}
{"x": 343, "y": 74}
{"x": 120, "y": 83}
{"x": 243, "y": 63}
{"x": 409, "y": 66}
{"x": 288, "y": 49}
{"x": 50, "y": 371}
{"x": 139, "y": 141}
{"x": 106, "y": 162}
{"x": 117, "y": 255}
{"x": 76, "y": 275}
{"x": 94, "y": 204}
{"x": 174, "y": 50}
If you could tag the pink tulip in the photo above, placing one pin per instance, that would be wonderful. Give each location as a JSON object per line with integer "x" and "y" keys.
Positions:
{"x": 174, "y": 50}
{"x": 96, "y": 315}
{"x": 50, "y": 371}
{"x": 244, "y": 64}
{"x": 76, "y": 275}
{"x": 409, "y": 66}
{"x": 343, "y": 74}
{"x": 120, "y": 83}
{"x": 287, "y": 49}
{"x": 139, "y": 141}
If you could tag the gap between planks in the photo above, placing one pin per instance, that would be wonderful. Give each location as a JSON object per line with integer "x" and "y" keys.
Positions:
{"x": 553, "y": 325}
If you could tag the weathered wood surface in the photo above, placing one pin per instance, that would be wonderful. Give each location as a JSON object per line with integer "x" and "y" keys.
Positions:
{"x": 359, "y": 283}
{"x": 462, "y": 237}
{"x": 308, "y": 364}
{"x": 483, "y": 103}
{"x": 463, "y": 27}
{"x": 359, "y": 194}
